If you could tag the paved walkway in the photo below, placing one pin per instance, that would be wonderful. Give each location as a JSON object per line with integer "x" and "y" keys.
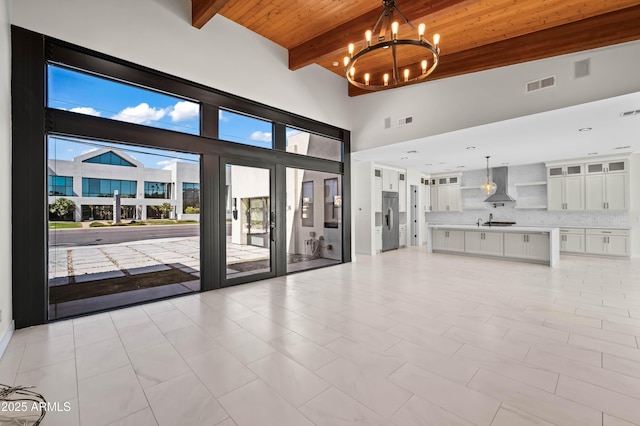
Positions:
{"x": 114, "y": 260}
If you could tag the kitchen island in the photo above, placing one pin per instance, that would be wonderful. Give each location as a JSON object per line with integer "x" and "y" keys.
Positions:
{"x": 523, "y": 243}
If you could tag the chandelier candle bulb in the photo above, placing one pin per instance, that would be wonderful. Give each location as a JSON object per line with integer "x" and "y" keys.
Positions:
{"x": 386, "y": 79}
{"x": 366, "y": 79}
{"x": 394, "y": 30}
{"x": 436, "y": 40}
{"x": 424, "y": 66}
{"x": 421, "y": 29}
{"x": 352, "y": 71}
{"x": 367, "y": 37}
{"x": 346, "y": 61}
{"x": 406, "y": 74}
{"x": 351, "y": 49}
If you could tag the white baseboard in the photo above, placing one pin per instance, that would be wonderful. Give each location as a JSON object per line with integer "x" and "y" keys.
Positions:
{"x": 4, "y": 342}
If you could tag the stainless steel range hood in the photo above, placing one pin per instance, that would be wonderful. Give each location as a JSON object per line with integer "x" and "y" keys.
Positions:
{"x": 500, "y": 177}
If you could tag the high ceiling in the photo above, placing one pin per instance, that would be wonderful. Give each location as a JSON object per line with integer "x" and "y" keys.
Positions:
{"x": 476, "y": 35}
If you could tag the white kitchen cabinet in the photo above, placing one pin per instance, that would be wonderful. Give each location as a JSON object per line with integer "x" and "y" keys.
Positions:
{"x": 448, "y": 240}
{"x": 448, "y": 193}
{"x": 377, "y": 190}
{"x": 487, "y": 243}
{"x": 607, "y": 186}
{"x": 571, "y": 240}
{"x": 390, "y": 180}
{"x": 378, "y": 238}
{"x": 527, "y": 246}
{"x": 433, "y": 196}
{"x": 565, "y": 187}
{"x": 607, "y": 242}
{"x": 402, "y": 192}
{"x": 403, "y": 235}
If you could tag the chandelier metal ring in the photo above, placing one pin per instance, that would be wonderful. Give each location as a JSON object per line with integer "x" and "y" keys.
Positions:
{"x": 392, "y": 44}
{"x": 386, "y": 27}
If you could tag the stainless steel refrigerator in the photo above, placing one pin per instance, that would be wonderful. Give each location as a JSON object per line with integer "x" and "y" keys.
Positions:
{"x": 390, "y": 221}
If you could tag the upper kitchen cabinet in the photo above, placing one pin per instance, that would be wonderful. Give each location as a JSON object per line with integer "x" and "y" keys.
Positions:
{"x": 402, "y": 192}
{"x": 390, "y": 180}
{"x": 607, "y": 185}
{"x": 565, "y": 186}
{"x": 447, "y": 190}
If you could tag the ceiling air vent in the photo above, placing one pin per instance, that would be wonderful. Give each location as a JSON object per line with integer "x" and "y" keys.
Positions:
{"x": 630, "y": 113}
{"x": 543, "y": 83}
{"x": 582, "y": 68}
{"x": 405, "y": 121}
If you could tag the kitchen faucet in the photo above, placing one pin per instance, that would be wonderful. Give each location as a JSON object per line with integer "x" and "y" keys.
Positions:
{"x": 490, "y": 217}
{"x": 479, "y": 221}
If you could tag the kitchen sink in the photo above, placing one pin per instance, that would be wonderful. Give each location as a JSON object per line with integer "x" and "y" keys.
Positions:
{"x": 493, "y": 223}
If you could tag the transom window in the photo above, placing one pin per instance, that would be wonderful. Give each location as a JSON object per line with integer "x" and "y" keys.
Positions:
{"x": 88, "y": 94}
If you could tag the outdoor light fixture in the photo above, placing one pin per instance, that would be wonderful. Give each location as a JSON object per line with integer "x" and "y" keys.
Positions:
{"x": 489, "y": 187}
{"x": 388, "y": 73}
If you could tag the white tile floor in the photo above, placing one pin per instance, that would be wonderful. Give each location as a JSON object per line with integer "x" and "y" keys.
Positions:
{"x": 403, "y": 338}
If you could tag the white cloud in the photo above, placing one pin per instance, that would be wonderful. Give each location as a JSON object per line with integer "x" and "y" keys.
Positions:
{"x": 86, "y": 110}
{"x": 140, "y": 114}
{"x": 223, "y": 117}
{"x": 260, "y": 136}
{"x": 166, "y": 162}
{"x": 86, "y": 151}
{"x": 184, "y": 110}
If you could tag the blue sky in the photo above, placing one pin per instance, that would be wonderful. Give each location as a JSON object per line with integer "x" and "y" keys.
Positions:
{"x": 87, "y": 94}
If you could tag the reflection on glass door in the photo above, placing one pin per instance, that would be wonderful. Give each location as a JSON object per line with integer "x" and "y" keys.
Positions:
{"x": 249, "y": 221}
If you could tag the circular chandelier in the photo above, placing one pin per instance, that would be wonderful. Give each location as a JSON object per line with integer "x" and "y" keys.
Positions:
{"x": 391, "y": 49}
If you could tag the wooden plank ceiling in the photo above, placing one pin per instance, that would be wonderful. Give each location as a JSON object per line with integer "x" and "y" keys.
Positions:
{"x": 476, "y": 35}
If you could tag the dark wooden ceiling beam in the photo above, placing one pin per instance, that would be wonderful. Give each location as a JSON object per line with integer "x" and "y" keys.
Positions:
{"x": 600, "y": 31}
{"x": 336, "y": 40}
{"x": 203, "y": 10}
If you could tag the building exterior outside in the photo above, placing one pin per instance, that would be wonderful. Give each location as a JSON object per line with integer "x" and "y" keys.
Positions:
{"x": 90, "y": 180}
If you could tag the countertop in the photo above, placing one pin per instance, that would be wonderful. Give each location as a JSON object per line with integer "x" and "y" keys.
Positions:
{"x": 494, "y": 228}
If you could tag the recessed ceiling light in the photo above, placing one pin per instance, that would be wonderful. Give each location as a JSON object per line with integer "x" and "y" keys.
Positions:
{"x": 585, "y": 129}
{"x": 623, "y": 147}
{"x": 471, "y": 147}
{"x": 428, "y": 164}
{"x": 404, "y": 158}
{"x": 592, "y": 153}
{"x": 412, "y": 152}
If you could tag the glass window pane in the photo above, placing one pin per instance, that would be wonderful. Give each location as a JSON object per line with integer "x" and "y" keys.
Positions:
{"x": 234, "y": 127}
{"x": 133, "y": 262}
{"x": 88, "y": 94}
{"x": 304, "y": 143}
{"x": 310, "y": 243}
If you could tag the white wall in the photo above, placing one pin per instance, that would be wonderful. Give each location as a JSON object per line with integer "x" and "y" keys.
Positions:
{"x": 5, "y": 171}
{"x": 634, "y": 211}
{"x": 485, "y": 97}
{"x": 223, "y": 55}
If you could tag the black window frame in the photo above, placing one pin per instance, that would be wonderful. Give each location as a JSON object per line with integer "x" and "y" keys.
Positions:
{"x": 33, "y": 122}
